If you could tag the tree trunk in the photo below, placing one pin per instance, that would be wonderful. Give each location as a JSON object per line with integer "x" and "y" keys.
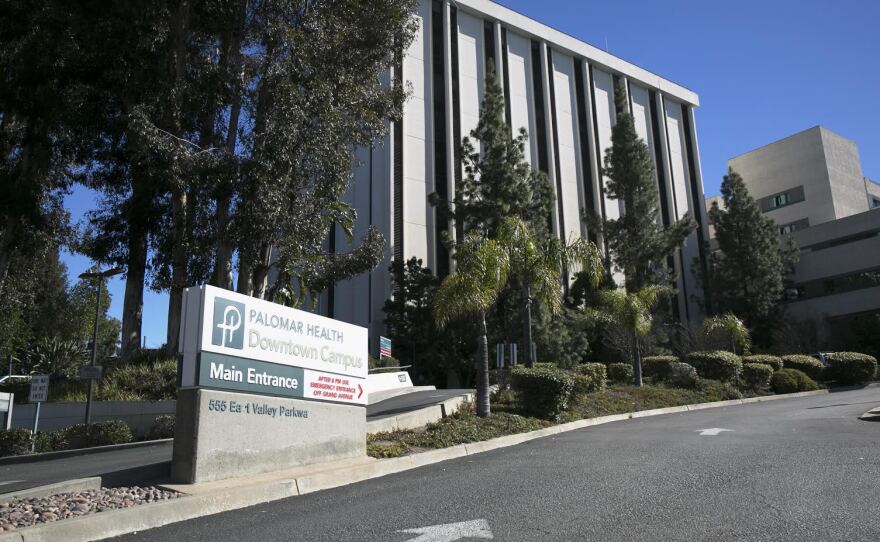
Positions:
{"x": 133, "y": 304}
{"x": 245, "y": 274}
{"x": 6, "y": 247}
{"x": 483, "y": 370}
{"x": 637, "y": 362}
{"x": 527, "y": 324}
{"x": 178, "y": 271}
{"x": 261, "y": 272}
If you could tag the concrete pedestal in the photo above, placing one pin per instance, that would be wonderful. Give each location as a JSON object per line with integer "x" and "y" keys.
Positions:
{"x": 225, "y": 435}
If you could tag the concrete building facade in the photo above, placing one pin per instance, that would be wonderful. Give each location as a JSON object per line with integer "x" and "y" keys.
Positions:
{"x": 561, "y": 91}
{"x": 812, "y": 185}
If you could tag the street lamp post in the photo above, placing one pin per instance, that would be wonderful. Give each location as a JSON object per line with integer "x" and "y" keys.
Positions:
{"x": 100, "y": 276}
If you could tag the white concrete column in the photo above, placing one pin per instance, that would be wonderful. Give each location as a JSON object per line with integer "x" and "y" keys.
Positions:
{"x": 548, "y": 123}
{"x": 698, "y": 167}
{"x": 499, "y": 57}
{"x": 450, "y": 114}
{"x": 595, "y": 166}
{"x": 670, "y": 203}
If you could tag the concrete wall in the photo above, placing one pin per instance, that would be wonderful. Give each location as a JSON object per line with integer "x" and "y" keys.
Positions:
{"x": 139, "y": 415}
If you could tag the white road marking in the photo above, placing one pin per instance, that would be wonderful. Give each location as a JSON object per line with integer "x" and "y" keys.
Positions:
{"x": 711, "y": 432}
{"x": 7, "y": 482}
{"x": 449, "y": 532}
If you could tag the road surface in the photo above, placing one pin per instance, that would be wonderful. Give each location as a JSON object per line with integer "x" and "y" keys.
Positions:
{"x": 126, "y": 467}
{"x": 800, "y": 469}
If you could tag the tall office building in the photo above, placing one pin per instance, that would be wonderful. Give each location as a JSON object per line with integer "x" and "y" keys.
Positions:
{"x": 561, "y": 90}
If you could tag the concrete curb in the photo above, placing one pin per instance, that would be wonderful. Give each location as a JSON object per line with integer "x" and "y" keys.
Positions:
{"x": 117, "y": 522}
{"x": 68, "y": 486}
{"x": 32, "y": 458}
{"x": 379, "y": 396}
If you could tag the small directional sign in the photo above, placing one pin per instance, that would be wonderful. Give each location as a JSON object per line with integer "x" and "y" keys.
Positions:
{"x": 713, "y": 432}
{"x": 449, "y": 532}
{"x": 39, "y": 391}
{"x": 91, "y": 372}
{"x": 384, "y": 347}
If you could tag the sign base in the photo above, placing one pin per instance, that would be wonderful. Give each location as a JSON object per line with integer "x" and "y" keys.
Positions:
{"x": 222, "y": 435}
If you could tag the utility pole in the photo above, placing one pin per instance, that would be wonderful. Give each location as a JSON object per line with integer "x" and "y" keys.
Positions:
{"x": 100, "y": 276}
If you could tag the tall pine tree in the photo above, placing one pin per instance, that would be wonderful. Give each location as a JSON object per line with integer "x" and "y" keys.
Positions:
{"x": 638, "y": 242}
{"x": 748, "y": 270}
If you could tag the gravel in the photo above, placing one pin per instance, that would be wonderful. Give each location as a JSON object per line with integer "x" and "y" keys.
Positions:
{"x": 36, "y": 510}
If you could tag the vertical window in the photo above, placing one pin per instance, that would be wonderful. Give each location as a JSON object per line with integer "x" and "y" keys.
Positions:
{"x": 540, "y": 109}
{"x": 441, "y": 175}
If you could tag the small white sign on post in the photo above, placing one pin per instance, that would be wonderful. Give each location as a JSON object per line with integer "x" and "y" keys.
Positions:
{"x": 39, "y": 394}
{"x": 39, "y": 389}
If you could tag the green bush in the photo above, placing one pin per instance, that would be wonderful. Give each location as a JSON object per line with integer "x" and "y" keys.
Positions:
{"x": 757, "y": 375}
{"x": 775, "y": 362}
{"x": 97, "y": 434}
{"x": 622, "y": 373}
{"x": 811, "y": 366}
{"x": 151, "y": 382}
{"x": 163, "y": 427}
{"x": 52, "y": 441}
{"x": 681, "y": 375}
{"x": 15, "y": 442}
{"x": 542, "y": 392}
{"x": 657, "y": 366}
{"x": 589, "y": 378}
{"x": 850, "y": 368}
{"x": 791, "y": 381}
{"x": 716, "y": 365}
{"x": 717, "y": 391}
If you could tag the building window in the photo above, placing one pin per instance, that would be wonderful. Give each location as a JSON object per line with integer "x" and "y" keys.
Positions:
{"x": 787, "y": 229}
{"x": 875, "y": 203}
{"x": 780, "y": 200}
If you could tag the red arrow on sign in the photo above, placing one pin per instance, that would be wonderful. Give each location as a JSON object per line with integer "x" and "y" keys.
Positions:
{"x": 360, "y": 391}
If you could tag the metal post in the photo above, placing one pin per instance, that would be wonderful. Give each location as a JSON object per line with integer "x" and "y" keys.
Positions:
{"x": 10, "y": 365}
{"x": 34, "y": 432}
{"x": 94, "y": 354}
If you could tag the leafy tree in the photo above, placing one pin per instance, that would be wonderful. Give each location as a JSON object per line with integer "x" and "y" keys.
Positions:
{"x": 733, "y": 327}
{"x": 82, "y": 299}
{"x": 538, "y": 263}
{"x": 480, "y": 276}
{"x": 498, "y": 181}
{"x": 56, "y": 357}
{"x": 631, "y": 313}
{"x": 638, "y": 242}
{"x": 434, "y": 353}
{"x": 747, "y": 272}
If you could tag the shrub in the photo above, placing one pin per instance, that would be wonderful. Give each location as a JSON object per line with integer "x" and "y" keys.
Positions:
{"x": 716, "y": 365}
{"x": 97, "y": 434}
{"x": 850, "y": 368}
{"x": 622, "y": 373}
{"x": 657, "y": 366}
{"x": 542, "y": 392}
{"x": 714, "y": 390}
{"x": 52, "y": 441}
{"x": 163, "y": 427}
{"x": 589, "y": 378}
{"x": 151, "y": 382}
{"x": 681, "y": 375}
{"x": 791, "y": 381}
{"x": 15, "y": 442}
{"x": 775, "y": 362}
{"x": 757, "y": 375}
{"x": 811, "y": 366}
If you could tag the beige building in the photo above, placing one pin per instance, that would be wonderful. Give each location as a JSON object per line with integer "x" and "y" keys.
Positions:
{"x": 811, "y": 184}
{"x": 806, "y": 179}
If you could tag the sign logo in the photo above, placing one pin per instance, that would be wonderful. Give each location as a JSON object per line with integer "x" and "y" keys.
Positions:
{"x": 228, "y": 320}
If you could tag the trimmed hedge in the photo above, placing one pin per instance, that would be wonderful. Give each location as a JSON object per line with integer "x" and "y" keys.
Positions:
{"x": 792, "y": 381}
{"x": 757, "y": 375}
{"x": 542, "y": 392}
{"x": 657, "y": 366}
{"x": 716, "y": 365}
{"x": 775, "y": 362}
{"x": 15, "y": 442}
{"x": 106, "y": 433}
{"x": 850, "y": 368}
{"x": 622, "y": 373}
{"x": 589, "y": 378}
{"x": 808, "y": 365}
{"x": 682, "y": 375}
{"x": 163, "y": 427}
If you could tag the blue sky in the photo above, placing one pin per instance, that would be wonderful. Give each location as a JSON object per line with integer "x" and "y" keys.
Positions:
{"x": 763, "y": 69}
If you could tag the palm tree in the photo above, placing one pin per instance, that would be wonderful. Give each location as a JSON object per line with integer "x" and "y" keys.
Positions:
{"x": 632, "y": 312}
{"x": 733, "y": 327}
{"x": 481, "y": 274}
{"x": 538, "y": 264}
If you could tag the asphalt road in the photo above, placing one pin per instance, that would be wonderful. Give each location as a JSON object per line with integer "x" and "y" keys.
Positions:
{"x": 797, "y": 469}
{"x": 133, "y": 466}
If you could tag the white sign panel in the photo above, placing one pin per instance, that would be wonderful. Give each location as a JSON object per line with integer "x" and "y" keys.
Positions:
{"x": 235, "y": 332}
{"x": 39, "y": 389}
